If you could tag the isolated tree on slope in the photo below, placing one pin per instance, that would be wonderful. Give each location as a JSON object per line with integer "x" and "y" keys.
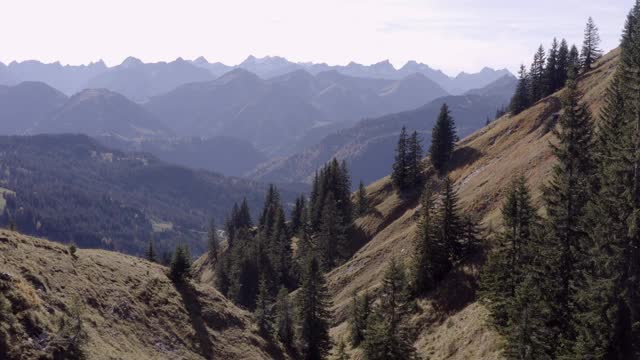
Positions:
{"x": 520, "y": 100}
{"x": 443, "y": 138}
{"x": 399, "y": 174}
{"x": 314, "y": 313}
{"x": 590, "y": 47}
{"x": 212, "y": 242}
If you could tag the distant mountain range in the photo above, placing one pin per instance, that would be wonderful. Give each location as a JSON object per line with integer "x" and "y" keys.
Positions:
{"x": 368, "y": 147}
{"x": 139, "y": 81}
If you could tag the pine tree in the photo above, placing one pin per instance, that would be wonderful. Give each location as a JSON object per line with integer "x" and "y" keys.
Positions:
{"x": 574, "y": 58}
{"x": 552, "y": 75}
{"x": 508, "y": 264}
{"x": 520, "y": 100}
{"x": 609, "y": 325}
{"x": 212, "y": 242}
{"x": 565, "y": 199}
{"x": 449, "y": 224}
{"x": 414, "y": 161}
{"x": 527, "y": 338}
{"x": 443, "y": 138}
{"x": 362, "y": 203}
{"x": 296, "y": 214}
{"x": 360, "y": 311}
{"x": 387, "y": 336}
{"x": 399, "y": 174}
{"x": 331, "y": 239}
{"x": 430, "y": 261}
{"x": 180, "y": 269}
{"x": 151, "y": 251}
{"x": 590, "y": 46}
{"x": 537, "y": 85}
{"x": 284, "y": 319}
{"x": 313, "y": 313}
{"x": 262, "y": 313}
{"x": 563, "y": 63}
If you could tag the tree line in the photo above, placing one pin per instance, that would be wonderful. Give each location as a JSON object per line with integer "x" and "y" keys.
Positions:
{"x": 549, "y": 71}
{"x": 567, "y": 285}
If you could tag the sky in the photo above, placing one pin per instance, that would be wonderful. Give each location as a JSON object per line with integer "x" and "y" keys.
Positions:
{"x": 451, "y": 35}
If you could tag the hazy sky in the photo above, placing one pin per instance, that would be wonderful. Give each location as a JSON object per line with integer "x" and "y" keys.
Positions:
{"x": 452, "y": 35}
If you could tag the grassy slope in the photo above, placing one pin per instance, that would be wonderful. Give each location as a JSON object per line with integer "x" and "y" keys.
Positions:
{"x": 451, "y": 323}
{"x": 131, "y": 309}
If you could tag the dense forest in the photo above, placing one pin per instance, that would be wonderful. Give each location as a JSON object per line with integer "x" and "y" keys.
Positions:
{"x": 69, "y": 188}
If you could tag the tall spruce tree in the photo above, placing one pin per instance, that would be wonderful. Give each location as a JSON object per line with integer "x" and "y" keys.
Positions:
{"x": 151, "y": 251}
{"x": 609, "y": 325}
{"x": 362, "y": 203}
{"x": 180, "y": 268}
{"x": 552, "y": 74}
{"x": 563, "y": 63}
{"x": 574, "y": 58}
{"x": 399, "y": 174}
{"x": 387, "y": 336}
{"x": 262, "y": 313}
{"x": 537, "y": 85}
{"x": 521, "y": 100}
{"x": 430, "y": 260}
{"x": 284, "y": 319}
{"x": 565, "y": 198}
{"x": 590, "y": 46}
{"x": 296, "y": 214}
{"x": 511, "y": 260}
{"x": 443, "y": 138}
{"x": 414, "y": 161}
{"x": 449, "y": 223}
{"x": 360, "y": 311}
{"x": 313, "y": 313}
{"x": 213, "y": 247}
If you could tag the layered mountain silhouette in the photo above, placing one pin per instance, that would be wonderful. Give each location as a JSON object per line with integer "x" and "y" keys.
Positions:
{"x": 25, "y": 105}
{"x": 140, "y": 81}
{"x": 368, "y": 147}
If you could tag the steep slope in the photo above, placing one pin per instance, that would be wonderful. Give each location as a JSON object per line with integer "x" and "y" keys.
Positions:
{"x": 368, "y": 146}
{"x": 128, "y": 307}
{"x": 70, "y": 188}
{"x": 484, "y": 164}
{"x": 102, "y": 112}
{"x": 139, "y": 81}
{"x": 25, "y": 105}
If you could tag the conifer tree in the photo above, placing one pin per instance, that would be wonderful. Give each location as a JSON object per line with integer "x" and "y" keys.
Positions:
{"x": 574, "y": 58}
{"x": 520, "y": 100}
{"x": 565, "y": 199}
{"x": 537, "y": 85}
{"x": 387, "y": 335}
{"x": 362, "y": 203}
{"x": 284, "y": 319}
{"x": 414, "y": 160}
{"x": 399, "y": 174}
{"x": 590, "y": 46}
{"x": 527, "y": 338}
{"x": 509, "y": 263}
{"x": 563, "y": 63}
{"x": 213, "y": 247}
{"x": 609, "y": 324}
{"x": 151, "y": 251}
{"x": 360, "y": 311}
{"x": 430, "y": 261}
{"x": 296, "y": 214}
{"x": 443, "y": 138}
{"x": 262, "y": 313}
{"x": 313, "y": 313}
{"x": 180, "y": 269}
{"x": 552, "y": 74}
{"x": 449, "y": 223}
{"x": 331, "y": 238}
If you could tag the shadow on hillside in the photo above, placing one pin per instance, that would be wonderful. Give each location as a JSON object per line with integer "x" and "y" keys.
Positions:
{"x": 190, "y": 299}
{"x": 464, "y": 156}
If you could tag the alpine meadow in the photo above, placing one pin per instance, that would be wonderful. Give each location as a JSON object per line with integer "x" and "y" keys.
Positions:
{"x": 171, "y": 188}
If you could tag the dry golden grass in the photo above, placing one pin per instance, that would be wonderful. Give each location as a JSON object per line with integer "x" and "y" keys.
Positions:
{"x": 131, "y": 309}
{"x": 451, "y": 324}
